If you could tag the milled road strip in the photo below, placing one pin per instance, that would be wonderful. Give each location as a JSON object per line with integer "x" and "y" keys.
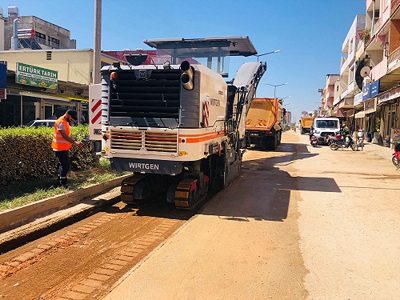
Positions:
{"x": 30, "y": 257}
{"x": 19, "y": 225}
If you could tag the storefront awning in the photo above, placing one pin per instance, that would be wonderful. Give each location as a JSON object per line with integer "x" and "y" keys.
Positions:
{"x": 359, "y": 115}
{"x": 370, "y": 111}
{"x": 61, "y": 97}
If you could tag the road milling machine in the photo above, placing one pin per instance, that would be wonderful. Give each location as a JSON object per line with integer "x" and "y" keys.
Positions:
{"x": 175, "y": 120}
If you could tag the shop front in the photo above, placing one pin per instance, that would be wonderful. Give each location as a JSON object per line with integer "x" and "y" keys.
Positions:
{"x": 21, "y": 107}
{"x": 36, "y": 93}
{"x": 371, "y": 116}
{"x": 389, "y": 104}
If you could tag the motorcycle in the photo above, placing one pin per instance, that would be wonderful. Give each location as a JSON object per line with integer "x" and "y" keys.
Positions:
{"x": 313, "y": 140}
{"x": 396, "y": 155}
{"x": 343, "y": 143}
{"x": 332, "y": 138}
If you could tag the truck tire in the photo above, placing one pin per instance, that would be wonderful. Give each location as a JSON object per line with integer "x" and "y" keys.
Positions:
{"x": 276, "y": 140}
{"x": 270, "y": 143}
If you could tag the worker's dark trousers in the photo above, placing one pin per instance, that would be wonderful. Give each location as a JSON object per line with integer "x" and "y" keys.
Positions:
{"x": 63, "y": 157}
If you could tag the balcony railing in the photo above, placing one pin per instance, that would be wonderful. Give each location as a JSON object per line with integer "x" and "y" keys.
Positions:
{"x": 395, "y": 5}
{"x": 394, "y": 55}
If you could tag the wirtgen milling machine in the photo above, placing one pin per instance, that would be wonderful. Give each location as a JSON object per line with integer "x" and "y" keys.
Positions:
{"x": 174, "y": 121}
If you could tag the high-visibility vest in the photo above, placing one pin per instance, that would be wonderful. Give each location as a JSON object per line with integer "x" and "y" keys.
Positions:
{"x": 59, "y": 143}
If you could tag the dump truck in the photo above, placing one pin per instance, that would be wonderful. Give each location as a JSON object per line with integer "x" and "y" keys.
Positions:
{"x": 306, "y": 123}
{"x": 263, "y": 124}
{"x": 173, "y": 120}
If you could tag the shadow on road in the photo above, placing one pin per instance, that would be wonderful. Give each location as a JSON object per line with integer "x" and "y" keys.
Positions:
{"x": 263, "y": 190}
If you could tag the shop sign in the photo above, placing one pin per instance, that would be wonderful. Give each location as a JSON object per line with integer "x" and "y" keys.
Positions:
{"x": 370, "y": 90}
{"x": 358, "y": 99}
{"x": 375, "y": 88}
{"x": 392, "y": 94}
{"x": 395, "y": 135}
{"x": 369, "y": 106}
{"x": 36, "y": 76}
{"x": 366, "y": 92}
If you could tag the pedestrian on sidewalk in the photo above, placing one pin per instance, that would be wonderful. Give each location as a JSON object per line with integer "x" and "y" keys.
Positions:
{"x": 62, "y": 142}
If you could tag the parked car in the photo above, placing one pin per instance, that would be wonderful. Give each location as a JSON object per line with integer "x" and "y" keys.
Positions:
{"x": 38, "y": 123}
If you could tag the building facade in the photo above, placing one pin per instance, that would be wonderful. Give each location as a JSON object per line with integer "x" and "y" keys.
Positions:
{"x": 33, "y": 33}
{"x": 369, "y": 96}
{"x": 45, "y": 75}
{"x": 328, "y": 94}
{"x": 27, "y": 99}
{"x": 348, "y": 85}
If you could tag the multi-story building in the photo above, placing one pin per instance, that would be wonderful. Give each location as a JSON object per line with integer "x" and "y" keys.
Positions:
{"x": 369, "y": 85}
{"x": 31, "y": 32}
{"x": 379, "y": 66}
{"x": 65, "y": 72}
{"x": 388, "y": 100}
{"x": 348, "y": 86}
{"x": 328, "y": 93}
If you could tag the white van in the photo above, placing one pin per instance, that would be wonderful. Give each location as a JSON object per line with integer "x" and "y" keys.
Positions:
{"x": 324, "y": 126}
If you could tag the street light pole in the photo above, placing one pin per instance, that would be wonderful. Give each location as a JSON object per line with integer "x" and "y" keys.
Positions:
{"x": 258, "y": 55}
{"x": 275, "y": 86}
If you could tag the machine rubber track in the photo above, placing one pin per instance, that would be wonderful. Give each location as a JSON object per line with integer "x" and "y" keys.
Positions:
{"x": 188, "y": 194}
{"x": 128, "y": 187}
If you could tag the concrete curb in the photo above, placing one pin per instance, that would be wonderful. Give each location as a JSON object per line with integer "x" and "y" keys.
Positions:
{"x": 13, "y": 218}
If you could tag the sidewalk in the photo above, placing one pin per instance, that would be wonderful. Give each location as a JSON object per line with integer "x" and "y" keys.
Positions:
{"x": 381, "y": 151}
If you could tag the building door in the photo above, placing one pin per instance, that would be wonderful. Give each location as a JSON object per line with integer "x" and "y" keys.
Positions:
{"x": 48, "y": 111}
{"x": 391, "y": 119}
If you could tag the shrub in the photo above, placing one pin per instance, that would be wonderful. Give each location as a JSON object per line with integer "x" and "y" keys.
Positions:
{"x": 26, "y": 153}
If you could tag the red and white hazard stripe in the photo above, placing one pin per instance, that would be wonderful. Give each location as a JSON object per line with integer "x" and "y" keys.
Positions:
{"x": 95, "y": 108}
{"x": 206, "y": 113}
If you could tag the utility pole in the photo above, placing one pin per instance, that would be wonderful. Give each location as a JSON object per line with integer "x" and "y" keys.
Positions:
{"x": 97, "y": 42}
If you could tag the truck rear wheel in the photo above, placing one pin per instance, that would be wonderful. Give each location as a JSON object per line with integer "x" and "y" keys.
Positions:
{"x": 270, "y": 143}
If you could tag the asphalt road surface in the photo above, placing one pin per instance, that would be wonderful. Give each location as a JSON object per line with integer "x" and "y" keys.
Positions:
{"x": 300, "y": 223}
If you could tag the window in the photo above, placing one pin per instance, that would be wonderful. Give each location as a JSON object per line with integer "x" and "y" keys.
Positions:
{"x": 53, "y": 42}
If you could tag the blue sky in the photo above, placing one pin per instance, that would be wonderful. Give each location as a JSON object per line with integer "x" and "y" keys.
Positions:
{"x": 309, "y": 33}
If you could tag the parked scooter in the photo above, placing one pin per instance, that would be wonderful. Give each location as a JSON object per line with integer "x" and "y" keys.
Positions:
{"x": 396, "y": 155}
{"x": 343, "y": 143}
{"x": 313, "y": 140}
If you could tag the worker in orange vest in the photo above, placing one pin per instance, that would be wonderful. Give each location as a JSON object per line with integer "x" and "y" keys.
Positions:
{"x": 62, "y": 142}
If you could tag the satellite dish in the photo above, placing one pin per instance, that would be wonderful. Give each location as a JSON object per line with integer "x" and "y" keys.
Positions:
{"x": 364, "y": 72}
{"x": 358, "y": 77}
